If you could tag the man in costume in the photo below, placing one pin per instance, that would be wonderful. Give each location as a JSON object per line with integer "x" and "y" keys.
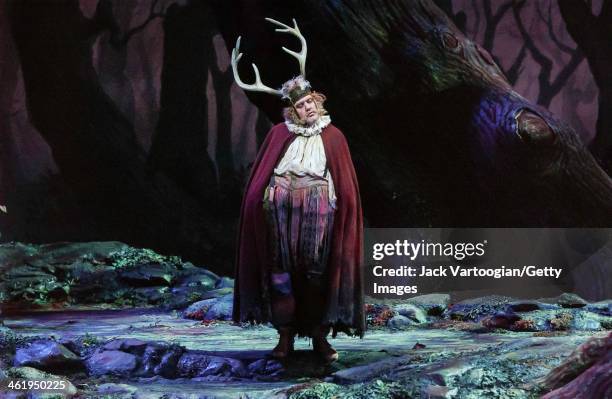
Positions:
{"x": 300, "y": 251}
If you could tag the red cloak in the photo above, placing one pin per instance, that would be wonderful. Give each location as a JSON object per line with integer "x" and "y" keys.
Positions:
{"x": 345, "y": 306}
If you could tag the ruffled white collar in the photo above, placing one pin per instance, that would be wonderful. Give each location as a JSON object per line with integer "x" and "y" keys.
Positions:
{"x": 311, "y": 130}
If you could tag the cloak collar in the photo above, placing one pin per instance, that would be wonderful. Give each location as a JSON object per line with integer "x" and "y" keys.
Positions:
{"x": 311, "y": 130}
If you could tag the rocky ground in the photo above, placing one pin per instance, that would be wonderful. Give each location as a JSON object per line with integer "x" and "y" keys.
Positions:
{"x": 118, "y": 322}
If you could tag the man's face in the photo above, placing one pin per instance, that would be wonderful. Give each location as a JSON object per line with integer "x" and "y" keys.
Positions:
{"x": 307, "y": 110}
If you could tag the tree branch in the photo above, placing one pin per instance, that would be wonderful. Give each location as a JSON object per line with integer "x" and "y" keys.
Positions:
{"x": 517, "y": 66}
{"x": 538, "y": 56}
{"x": 548, "y": 89}
{"x": 117, "y": 41}
{"x": 566, "y": 72}
{"x": 501, "y": 11}
{"x": 493, "y": 20}
{"x": 551, "y": 31}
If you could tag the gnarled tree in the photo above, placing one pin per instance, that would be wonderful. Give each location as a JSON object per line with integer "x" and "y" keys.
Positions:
{"x": 438, "y": 134}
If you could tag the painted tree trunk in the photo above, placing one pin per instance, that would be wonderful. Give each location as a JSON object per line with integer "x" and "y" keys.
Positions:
{"x": 180, "y": 145}
{"x": 593, "y": 34}
{"x": 94, "y": 145}
{"x": 602, "y": 143}
{"x": 230, "y": 189}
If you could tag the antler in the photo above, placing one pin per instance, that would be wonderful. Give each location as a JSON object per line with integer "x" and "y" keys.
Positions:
{"x": 301, "y": 56}
{"x": 257, "y": 86}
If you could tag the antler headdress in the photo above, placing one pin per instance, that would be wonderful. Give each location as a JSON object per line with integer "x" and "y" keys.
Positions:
{"x": 293, "y": 89}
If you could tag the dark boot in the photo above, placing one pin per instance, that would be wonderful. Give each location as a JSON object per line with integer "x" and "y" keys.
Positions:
{"x": 285, "y": 343}
{"x": 321, "y": 346}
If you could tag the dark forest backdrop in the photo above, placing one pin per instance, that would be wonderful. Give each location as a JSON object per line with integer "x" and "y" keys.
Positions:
{"x": 120, "y": 120}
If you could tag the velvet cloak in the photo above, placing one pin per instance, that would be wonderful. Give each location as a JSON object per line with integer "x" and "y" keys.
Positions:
{"x": 345, "y": 306}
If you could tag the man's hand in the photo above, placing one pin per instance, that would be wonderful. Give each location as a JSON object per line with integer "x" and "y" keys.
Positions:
{"x": 3, "y": 208}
